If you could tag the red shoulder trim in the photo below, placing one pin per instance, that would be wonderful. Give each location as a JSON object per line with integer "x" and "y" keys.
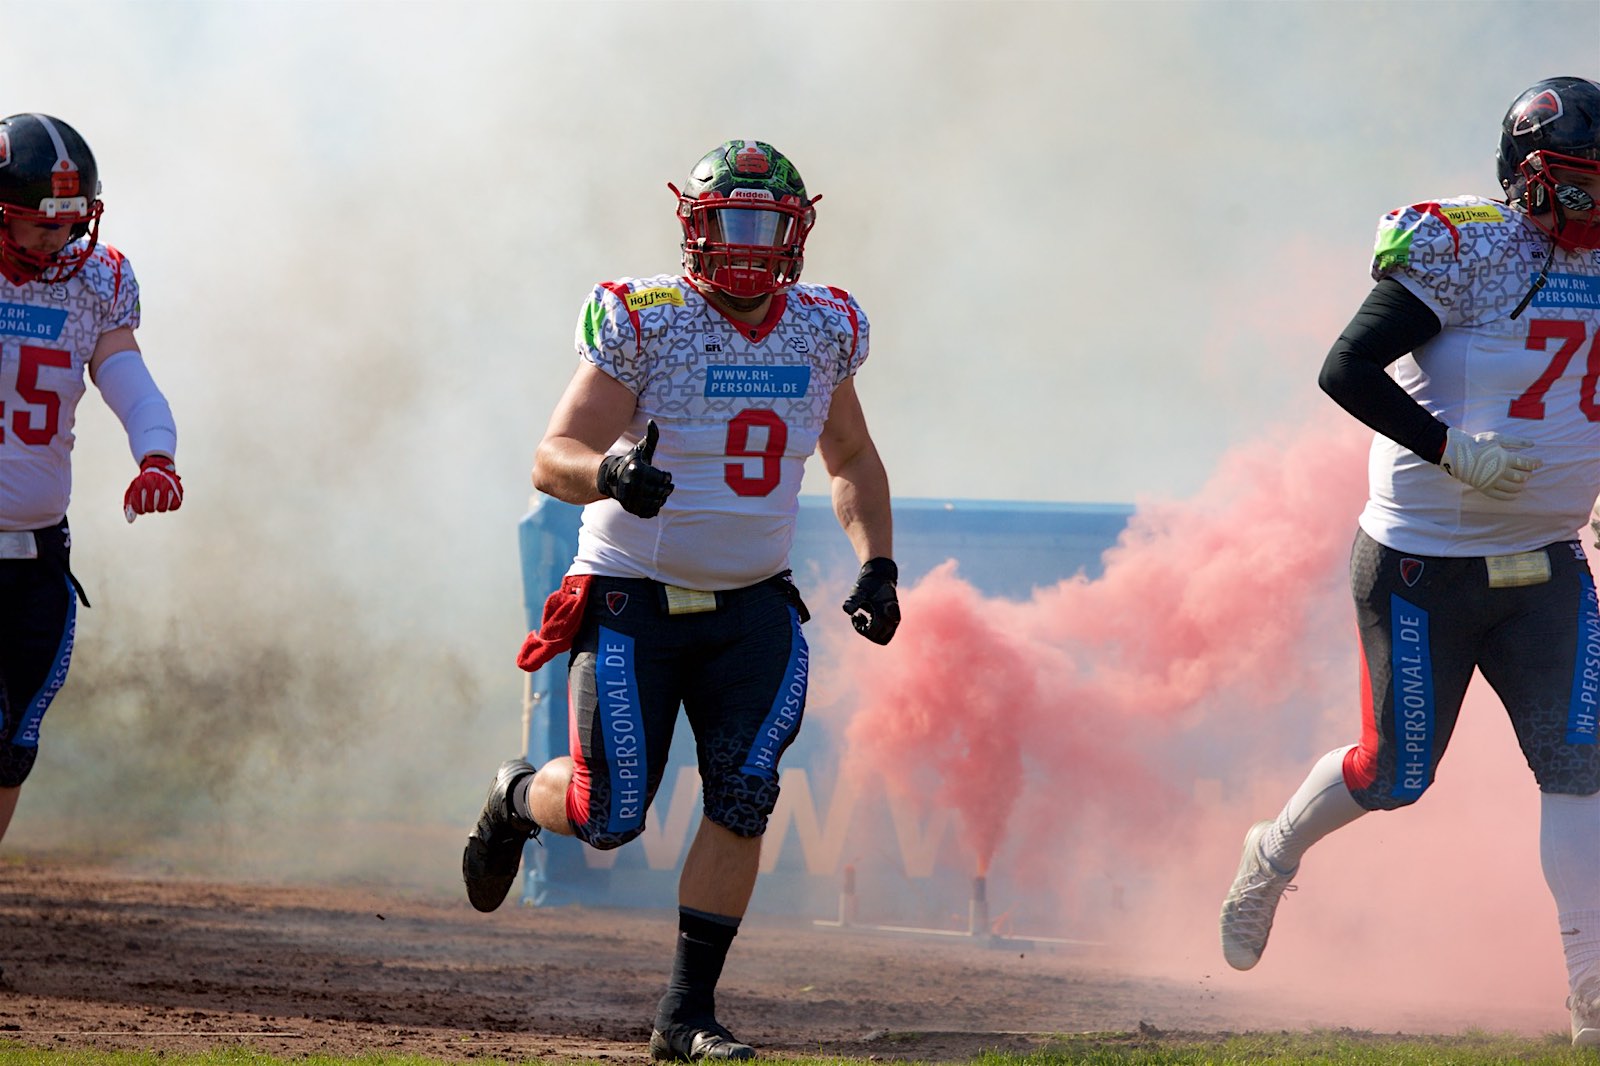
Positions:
{"x": 855, "y": 325}
{"x": 117, "y": 259}
{"x": 621, "y": 291}
{"x": 1433, "y": 208}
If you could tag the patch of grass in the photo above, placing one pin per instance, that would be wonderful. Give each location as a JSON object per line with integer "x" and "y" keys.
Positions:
{"x": 1143, "y": 1047}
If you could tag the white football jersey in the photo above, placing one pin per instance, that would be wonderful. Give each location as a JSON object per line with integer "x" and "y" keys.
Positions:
{"x": 47, "y": 335}
{"x": 1535, "y": 377}
{"x": 739, "y": 409}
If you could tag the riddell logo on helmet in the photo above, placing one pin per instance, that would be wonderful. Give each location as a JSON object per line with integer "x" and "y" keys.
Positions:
{"x": 751, "y": 194}
{"x": 1540, "y": 111}
{"x": 751, "y": 160}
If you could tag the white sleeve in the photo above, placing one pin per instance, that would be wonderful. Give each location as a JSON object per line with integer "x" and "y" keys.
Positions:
{"x": 131, "y": 393}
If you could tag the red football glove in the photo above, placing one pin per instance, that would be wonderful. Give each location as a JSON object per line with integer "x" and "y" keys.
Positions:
{"x": 157, "y": 488}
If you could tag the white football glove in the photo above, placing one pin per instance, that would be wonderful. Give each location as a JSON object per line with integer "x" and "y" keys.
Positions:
{"x": 1594, "y": 522}
{"x": 1487, "y": 463}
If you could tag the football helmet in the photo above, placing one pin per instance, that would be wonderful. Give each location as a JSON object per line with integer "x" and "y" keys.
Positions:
{"x": 745, "y": 217}
{"x": 48, "y": 176}
{"x": 1553, "y": 124}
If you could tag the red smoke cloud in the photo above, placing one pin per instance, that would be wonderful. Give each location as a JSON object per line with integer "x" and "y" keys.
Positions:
{"x": 1213, "y": 607}
{"x": 1106, "y": 744}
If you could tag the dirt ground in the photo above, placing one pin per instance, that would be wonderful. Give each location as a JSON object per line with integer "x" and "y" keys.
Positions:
{"x": 95, "y": 957}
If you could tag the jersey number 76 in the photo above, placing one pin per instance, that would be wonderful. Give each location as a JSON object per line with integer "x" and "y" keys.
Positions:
{"x": 1570, "y": 334}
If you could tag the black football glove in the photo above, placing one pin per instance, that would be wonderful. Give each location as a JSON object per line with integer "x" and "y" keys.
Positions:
{"x": 632, "y": 481}
{"x": 873, "y": 606}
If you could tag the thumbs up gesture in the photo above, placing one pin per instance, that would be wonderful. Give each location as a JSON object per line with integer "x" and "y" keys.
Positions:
{"x": 632, "y": 481}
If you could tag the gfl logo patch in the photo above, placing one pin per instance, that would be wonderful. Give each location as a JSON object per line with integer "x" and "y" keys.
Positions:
{"x": 1410, "y": 571}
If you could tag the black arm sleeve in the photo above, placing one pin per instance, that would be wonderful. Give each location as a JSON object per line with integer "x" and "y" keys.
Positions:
{"x": 1390, "y": 322}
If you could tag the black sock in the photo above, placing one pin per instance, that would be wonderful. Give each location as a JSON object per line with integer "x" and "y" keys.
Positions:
{"x": 703, "y": 941}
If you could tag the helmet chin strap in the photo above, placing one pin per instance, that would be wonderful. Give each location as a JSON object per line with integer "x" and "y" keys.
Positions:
{"x": 1567, "y": 198}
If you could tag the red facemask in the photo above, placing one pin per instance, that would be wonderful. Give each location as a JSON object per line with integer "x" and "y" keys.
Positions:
{"x": 50, "y": 268}
{"x": 744, "y": 247}
{"x": 1553, "y": 204}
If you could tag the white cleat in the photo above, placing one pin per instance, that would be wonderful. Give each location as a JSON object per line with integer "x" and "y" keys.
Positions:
{"x": 1585, "y": 1005}
{"x": 1251, "y": 902}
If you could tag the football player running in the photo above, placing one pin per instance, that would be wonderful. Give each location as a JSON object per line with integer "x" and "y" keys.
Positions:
{"x": 1475, "y": 358}
{"x": 69, "y": 305}
{"x": 685, "y": 432}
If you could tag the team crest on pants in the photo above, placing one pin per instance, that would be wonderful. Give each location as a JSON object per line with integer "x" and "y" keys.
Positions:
{"x": 616, "y": 601}
{"x": 1410, "y": 571}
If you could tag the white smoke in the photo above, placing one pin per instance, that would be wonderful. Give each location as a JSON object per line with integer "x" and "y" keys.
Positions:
{"x": 1098, "y": 243}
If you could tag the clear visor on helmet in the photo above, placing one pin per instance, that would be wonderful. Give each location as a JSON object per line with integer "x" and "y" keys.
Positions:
{"x": 752, "y": 227}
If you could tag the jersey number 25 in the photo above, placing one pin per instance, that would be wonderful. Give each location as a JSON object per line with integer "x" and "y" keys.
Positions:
{"x": 22, "y": 421}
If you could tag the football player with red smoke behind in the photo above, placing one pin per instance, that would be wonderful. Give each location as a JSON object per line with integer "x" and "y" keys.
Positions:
{"x": 684, "y": 433}
{"x": 1476, "y": 359}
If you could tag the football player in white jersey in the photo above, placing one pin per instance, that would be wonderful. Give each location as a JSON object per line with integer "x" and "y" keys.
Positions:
{"x": 1476, "y": 359}
{"x": 68, "y": 307}
{"x": 697, "y": 401}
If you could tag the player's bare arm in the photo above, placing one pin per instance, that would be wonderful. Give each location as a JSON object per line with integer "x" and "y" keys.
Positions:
{"x": 111, "y": 341}
{"x": 590, "y": 416}
{"x": 860, "y": 484}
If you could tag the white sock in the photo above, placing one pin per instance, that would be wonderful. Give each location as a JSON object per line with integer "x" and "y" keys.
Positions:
{"x": 1569, "y": 851}
{"x": 1320, "y": 805}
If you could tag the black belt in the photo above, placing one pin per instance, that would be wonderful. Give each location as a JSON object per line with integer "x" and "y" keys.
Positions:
{"x": 675, "y": 599}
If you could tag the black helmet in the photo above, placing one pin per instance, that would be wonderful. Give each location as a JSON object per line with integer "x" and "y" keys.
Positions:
{"x": 48, "y": 176}
{"x": 745, "y": 217}
{"x": 1555, "y": 122}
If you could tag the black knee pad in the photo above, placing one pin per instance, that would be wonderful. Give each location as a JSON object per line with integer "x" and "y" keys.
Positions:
{"x": 742, "y": 804}
{"x": 16, "y": 763}
{"x": 607, "y": 841}
{"x": 1582, "y": 791}
{"x": 1572, "y": 770}
{"x": 1383, "y": 802}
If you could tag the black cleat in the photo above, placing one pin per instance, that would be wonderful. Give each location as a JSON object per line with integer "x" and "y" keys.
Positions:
{"x": 494, "y": 850}
{"x": 697, "y": 1041}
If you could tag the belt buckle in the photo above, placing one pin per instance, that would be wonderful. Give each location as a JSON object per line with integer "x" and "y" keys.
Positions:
{"x": 18, "y": 544}
{"x": 1523, "y": 568}
{"x": 689, "y": 601}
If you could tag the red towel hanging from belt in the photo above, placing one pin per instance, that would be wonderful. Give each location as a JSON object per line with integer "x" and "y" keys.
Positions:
{"x": 563, "y": 612}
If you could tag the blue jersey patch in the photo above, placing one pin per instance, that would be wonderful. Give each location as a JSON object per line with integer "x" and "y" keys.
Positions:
{"x": 773, "y": 381}
{"x": 24, "y": 320}
{"x": 1569, "y": 290}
